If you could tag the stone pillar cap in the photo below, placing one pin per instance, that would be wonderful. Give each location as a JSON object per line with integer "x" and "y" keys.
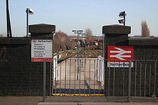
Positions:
{"x": 42, "y": 28}
{"x": 116, "y": 29}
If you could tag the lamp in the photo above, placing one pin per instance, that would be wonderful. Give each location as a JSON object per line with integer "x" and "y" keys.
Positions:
{"x": 122, "y": 14}
{"x": 28, "y": 12}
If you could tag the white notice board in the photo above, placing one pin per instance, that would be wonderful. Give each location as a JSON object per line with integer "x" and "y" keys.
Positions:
{"x": 41, "y": 49}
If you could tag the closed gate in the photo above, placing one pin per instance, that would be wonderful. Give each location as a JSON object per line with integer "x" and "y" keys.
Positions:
{"x": 79, "y": 77}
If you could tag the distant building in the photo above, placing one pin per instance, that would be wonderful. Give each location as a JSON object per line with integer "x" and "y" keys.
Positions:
{"x": 91, "y": 42}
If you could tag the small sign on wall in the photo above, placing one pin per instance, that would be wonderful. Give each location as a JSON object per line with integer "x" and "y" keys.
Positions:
{"x": 40, "y": 50}
{"x": 119, "y": 56}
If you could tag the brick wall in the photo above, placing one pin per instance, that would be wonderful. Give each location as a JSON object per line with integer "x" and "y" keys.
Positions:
{"x": 18, "y": 75}
{"x": 144, "y": 56}
{"x": 116, "y": 84}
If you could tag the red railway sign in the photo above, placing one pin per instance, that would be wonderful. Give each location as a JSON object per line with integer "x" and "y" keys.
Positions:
{"x": 119, "y": 56}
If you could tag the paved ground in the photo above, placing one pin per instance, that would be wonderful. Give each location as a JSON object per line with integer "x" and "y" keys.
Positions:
{"x": 99, "y": 103}
{"x": 10, "y": 100}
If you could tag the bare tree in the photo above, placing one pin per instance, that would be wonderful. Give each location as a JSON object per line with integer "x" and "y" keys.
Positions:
{"x": 145, "y": 29}
{"x": 62, "y": 42}
{"x": 88, "y": 33}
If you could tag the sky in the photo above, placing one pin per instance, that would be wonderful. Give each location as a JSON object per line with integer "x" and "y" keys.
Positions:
{"x": 80, "y": 14}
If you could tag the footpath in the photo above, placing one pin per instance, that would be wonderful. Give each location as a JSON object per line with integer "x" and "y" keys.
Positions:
{"x": 37, "y": 100}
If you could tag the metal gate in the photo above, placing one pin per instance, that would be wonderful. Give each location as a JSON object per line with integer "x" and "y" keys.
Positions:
{"x": 79, "y": 77}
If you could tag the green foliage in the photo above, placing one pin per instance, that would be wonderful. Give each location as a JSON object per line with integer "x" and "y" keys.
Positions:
{"x": 153, "y": 95}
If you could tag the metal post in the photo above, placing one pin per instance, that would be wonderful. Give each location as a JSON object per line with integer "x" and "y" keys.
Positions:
{"x": 9, "y": 31}
{"x": 85, "y": 49}
{"x": 124, "y": 19}
{"x": 44, "y": 80}
{"x": 27, "y": 22}
{"x": 77, "y": 32}
{"x": 103, "y": 47}
{"x": 77, "y": 56}
{"x": 50, "y": 91}
{"x": 129, "y": 82}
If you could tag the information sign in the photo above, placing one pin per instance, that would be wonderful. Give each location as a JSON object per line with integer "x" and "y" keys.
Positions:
{"x": 40, "y": 50}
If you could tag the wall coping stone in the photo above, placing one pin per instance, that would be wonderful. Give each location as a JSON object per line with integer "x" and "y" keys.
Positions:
{"x": 146, "y": 42}
{"x": 42, "y": 28}
{"x": 116, "y": 29}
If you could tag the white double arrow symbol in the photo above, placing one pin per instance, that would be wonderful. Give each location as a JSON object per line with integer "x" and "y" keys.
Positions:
{"x": 120, "y": 54}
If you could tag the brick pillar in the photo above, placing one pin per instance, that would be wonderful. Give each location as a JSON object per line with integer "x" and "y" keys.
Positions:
{"x": 115, "y": 35}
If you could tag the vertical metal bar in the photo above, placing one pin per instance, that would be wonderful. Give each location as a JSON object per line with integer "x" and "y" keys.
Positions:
{"x": 89, "y": 75}
{"x": 140, "y": 79}
{"x": 150, "y": 81}
{"x": 135, "y": 78}
{"x": 99, "y": 73}
{"x": 94, "y": 77}
{"x": 9, "y": 31}
{"x": 70, "y": 78}
{"x": 129, "y": 82}
{"x": 27, "y": 23}
{"x": 123, "y": 79}
{"x": 109, "y": 80}
{"x": 99, "y": 70}
{"x": 60, "y": 78}
{"x": 74, "y": 77}
{"x": 103, "y": 46}
{"x": 114, "y": 81}
{"x": 55, "y": 78}
{"x": 65, "y": 76}
{"x": 84, "y": 74}
{"x": 44, "y": 80}
{"x": 79, "y": 76}
{"x": 77, "y": 55}
{"x": 54, "y": 64}
{"x": 50, "y": 81}
{"x": 103, "y": 78}
{"x": 124, "y": 19}
{"x": 155, "y": 80}
{"x": 7, "y": 13}
{"x": 145, "y": 82}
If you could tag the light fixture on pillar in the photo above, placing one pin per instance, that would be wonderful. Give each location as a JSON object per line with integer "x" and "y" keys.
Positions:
{"x": 28, "y": 12}
{"x": 122, "y": 14}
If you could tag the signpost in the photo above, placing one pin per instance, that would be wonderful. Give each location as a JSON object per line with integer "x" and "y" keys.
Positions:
{"x": 40, "y": 50}
{"x": 119, "y": 56}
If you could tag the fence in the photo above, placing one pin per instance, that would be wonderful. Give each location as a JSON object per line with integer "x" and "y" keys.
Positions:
{"x": 100, "y": 74}
{"x": 131, "y": 78}
{"x": 55, "y": 69}
{"x": 77, "y": 77}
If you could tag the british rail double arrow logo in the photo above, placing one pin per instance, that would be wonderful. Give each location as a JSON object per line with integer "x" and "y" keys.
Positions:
{"x": 120, "y": 52}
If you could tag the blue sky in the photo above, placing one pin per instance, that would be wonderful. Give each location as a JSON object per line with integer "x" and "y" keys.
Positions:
{"x": 80, "y": 14}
